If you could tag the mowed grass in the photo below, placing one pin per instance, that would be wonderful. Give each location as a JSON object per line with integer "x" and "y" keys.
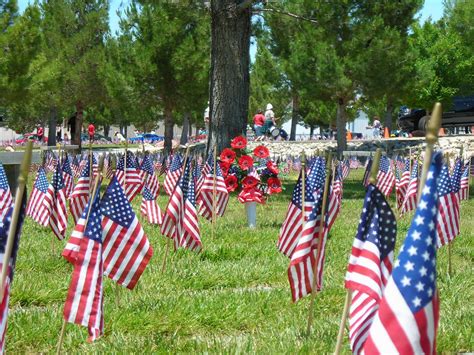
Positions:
{"x": 232, "y": 297}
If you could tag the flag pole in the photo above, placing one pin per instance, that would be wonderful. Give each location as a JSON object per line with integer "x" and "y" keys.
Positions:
{"x": 315, "y": 281}
{"x": 432, "y": 130}
{"x": 372, "y": 180}
{"x": 214, "y": 192}
{"x": 163, "y": 266}
{"x": 22, "y": 180}
{"x": 303, "y": 190}
{"x": 91, "y": 170}
{"x": 91, "y": 201}
{"x": 53, "y": 241}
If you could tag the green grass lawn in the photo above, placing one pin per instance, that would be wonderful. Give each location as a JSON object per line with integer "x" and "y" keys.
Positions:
{"x": 232, "y": 297}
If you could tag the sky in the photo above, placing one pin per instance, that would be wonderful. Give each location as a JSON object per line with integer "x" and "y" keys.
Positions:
{"x": 431, "y": 8}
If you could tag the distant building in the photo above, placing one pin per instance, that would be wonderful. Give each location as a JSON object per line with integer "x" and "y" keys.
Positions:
{"x": 360, "y": 124}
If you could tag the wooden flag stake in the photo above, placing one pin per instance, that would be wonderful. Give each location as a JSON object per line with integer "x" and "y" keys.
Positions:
{"x": 315, "y": 281}
{"x": 94, "y": 191}
{"x": 22, "y": 180}
{"x": 168, "y": 241}
{"x": 372, "y": 180}
{"x": 214, "y": 193}
{"x": 303, "y": 190}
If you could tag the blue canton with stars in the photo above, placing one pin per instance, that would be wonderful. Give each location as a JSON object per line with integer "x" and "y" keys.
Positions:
{"x": 58, "y": 182}
{"x": 296, "y": 197}
{"x": 415, "y": 268}
{"x": 414, "y": 173}
{"x": 147, "y": 165}
{"x": 3, "y": 179}
{"x": 41, "y": 182}
{"x": 444, "y": 182}
{"x": 315, "y": 179}
{"x": 377, "y": 222}
{"x": 384, "y": 164}
{"x": 94, "y": 224}
{"x": 86, "y": 171}
{"x": 176, "y": 163}
{"x": 184, "y": 179}
{"x": 67, "y": 167}
{"x": 115, "y": 205}
{"x": 130, "y": 162}
{"x": 147, "y": 195}
{"x": 191, "y": 191}
{"x": 456, "y": 177}
{"x": 196, "y": 172}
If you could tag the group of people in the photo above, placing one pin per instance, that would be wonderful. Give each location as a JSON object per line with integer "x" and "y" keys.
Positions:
{"x": 265, "y": 123}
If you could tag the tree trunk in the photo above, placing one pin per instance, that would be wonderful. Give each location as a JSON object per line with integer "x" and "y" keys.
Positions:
{"x": 341, "y": 127}
{"x": 169, "y": 123}
{"x": 186, "y": 129}
{"x": 389, "y": 115}
{"x": 76, "y": 140}
{"x": 230, "y": 79}
{"x": 294, "y": 117}
{"x": 311, "y": 131}
{"x": 106, "y": 130}
{"x": 53, "y": 117}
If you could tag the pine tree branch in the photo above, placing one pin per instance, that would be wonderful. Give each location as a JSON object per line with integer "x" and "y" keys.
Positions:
{"x": 290, "y": 14}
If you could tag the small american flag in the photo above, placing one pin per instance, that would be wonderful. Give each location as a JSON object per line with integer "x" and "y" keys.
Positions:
{"x": 180, "y": 221}
{"x": 290, "y": 231}
{"x": 202, "y": 175}
{"x": 385, "y": 177}
{"x": 147, "y": 173}
{"x": 464, "y": 184}
{"x": 456, "y": 177}
{"x": 51, "y": 161}
{"x": 5, "y": 226}
{"x": 84, "y": 302}
{"x": 206, "y": 192}
{"x": 407, "y": 319}
{"x": 131, "y": 182}
{"x": 174, "y": 172}
{"x": 401, "y": 185}
{"x": 37, "y": 207}
{"x": 409, "y": 202}
{"x": 126, "y": 250}
{"x": 75, "y": 167}
{"x": 370, "y": 264}
{"x": 354, "y": 163}
{"x": 149, "y": 208}
{"x": 345, "y": 168}
{"x": 55, "y": 200}
{"x": 109, "y": 170}
{"x": 68, "y": 176}
{"x": 80, "y": 194}
{"x": 5, "y": 194}
{"x": 447, "y": 227}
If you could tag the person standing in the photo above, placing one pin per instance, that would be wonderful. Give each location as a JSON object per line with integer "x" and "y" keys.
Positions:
{"x": 258, "y": 122}
{"x": 40, "y": 134}
{"x": 376, "y": 127}
{"x": 91, "y": 130}
{"x": 269, "y": 119}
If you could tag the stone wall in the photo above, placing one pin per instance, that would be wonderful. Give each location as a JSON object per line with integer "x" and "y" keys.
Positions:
{"x": 451, "y": 145}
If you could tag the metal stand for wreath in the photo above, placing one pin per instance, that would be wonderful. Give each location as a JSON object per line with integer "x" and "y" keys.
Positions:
{"x": 251, "y": 209}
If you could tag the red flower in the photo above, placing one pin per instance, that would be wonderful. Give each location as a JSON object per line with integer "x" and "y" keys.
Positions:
{"x": 261, "y": 152}
{"x": 225, "y": 166}
{"x": 272, "y": 167}
{"x": 249, "y": 182}
{"x": 245, "y": 162}
{"x": 228, "y": 156}
{"x": 238, "y": 142}
{"x": 231, "y": 183}
{"x": 274, "y": 185}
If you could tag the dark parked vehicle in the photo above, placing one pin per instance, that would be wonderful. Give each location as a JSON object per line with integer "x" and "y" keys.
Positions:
{"x": 29, "y": 136}
{"x": 146, "y": 138}
{"x": 460, "y": 115}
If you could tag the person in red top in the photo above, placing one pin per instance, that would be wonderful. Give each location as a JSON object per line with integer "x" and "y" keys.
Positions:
{"x": 258, "y": 122}
{"x": 91, "y": 130}
{"x": 40, "y": 133}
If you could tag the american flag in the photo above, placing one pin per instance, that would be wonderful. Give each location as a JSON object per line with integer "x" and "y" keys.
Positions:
{"x": 162, "y": 166}
{"x": 80, "y": 194}
{"x": 75, "y": 167}
{"x": 180, "y": 221}
{"x": 409, "y": 202}
{"x": 401, "y": 185}
{"x": 345, "y": 168}
{"x": 133, "y": 183}
{"x": 447, "y": 227}
{"x": 290, "y": 231}
{"x": 85, "y": 299}
{"x": 149, "y": 208}
{"x": 354, "y": 163}
{"x": 197, "y": 173}
{"x": 51, "y": 161}
{"x": 68, "y": 176}
{"x": 109, "y": 169}
{"x": 202, "y": 175}
{"x": 456, "y": 177}
{"x": 5, "y": 194}
{"x": 37, "y": 207}
{"x": 407, "y": 318}
{"x": 368, "y": 167}
{"x": 173, "y": 174}
{"x": 95, "y": 166}
{"x": 5, "y": 226}
{"x": 127, "y": 250}
{"x": 334, "y": 198}
{"x": 206, "y": 192}
{"x": 385, "y": 177}
{"x": 55, "y": 200}
{"x": 370, "y": 264}
{"x": 464, "y": 184}
{"x": 147, "y": 173}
